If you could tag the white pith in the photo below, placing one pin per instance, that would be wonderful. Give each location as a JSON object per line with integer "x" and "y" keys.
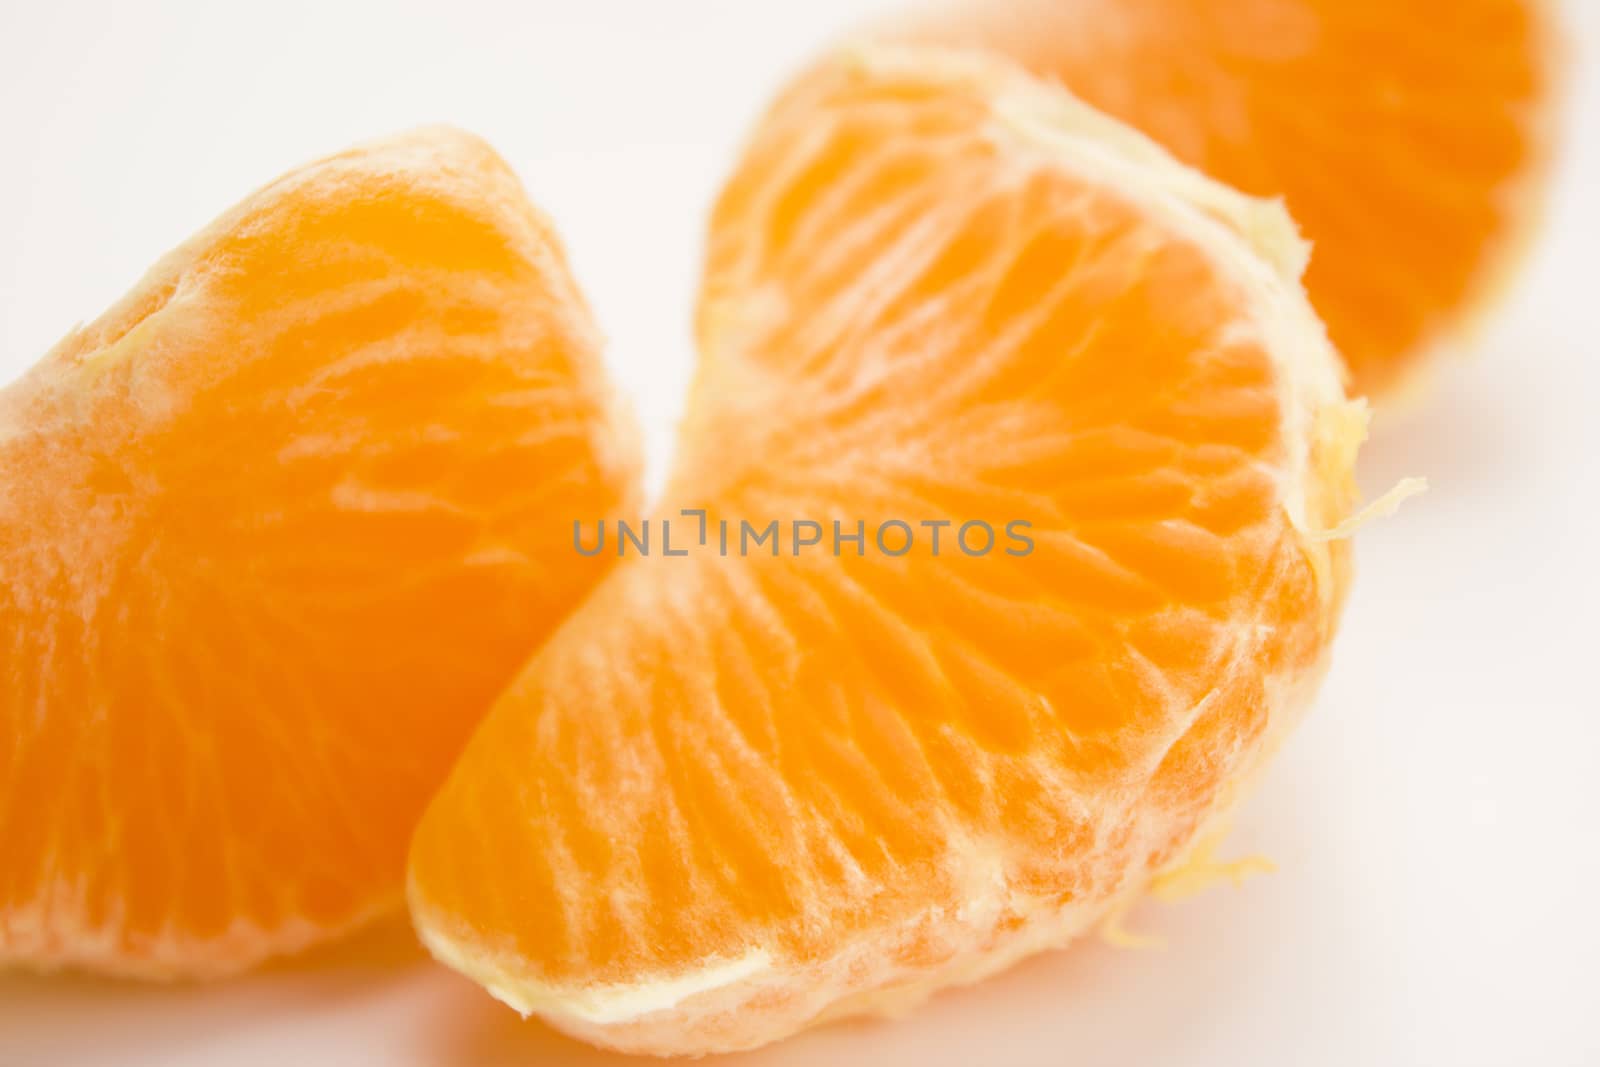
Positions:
{"x": 41, "y": 938}
{"x": 596, "y": 1005}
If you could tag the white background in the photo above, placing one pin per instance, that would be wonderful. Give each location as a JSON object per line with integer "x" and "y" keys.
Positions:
{"x": 1437, "y": 820}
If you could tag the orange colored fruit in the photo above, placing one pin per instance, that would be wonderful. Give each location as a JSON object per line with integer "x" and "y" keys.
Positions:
{"x": 736, "y": 794}
{"x": 274, "y": 531}
{"x": 1406, "y": 138}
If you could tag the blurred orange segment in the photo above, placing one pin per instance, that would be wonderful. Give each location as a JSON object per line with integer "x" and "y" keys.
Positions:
{"x": 274, "y": 531}
{"x": 738, "y": 793}
{"x": 1406, "y": 138}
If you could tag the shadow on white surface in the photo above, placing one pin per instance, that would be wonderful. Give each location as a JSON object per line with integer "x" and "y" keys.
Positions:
{"x": 71, "y": 1019}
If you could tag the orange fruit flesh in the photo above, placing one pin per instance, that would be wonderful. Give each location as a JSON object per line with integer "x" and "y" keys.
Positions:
{"x": 1406, "y": 138}
{"x": 274, "y": 531}
{"x": 734, "y": 795}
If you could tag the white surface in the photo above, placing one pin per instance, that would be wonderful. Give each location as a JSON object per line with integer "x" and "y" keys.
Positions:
{"x": 1436, "y": 822}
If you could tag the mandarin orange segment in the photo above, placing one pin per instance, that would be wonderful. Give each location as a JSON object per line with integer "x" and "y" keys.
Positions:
{"x": 737, "y": 793}
{"x": 1406, "y": 138}
{"x": 274, "y": 531}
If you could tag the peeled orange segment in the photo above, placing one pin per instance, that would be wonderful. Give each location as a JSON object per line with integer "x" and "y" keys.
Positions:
{"x": 739, "y": 793}
{"x": 1406, "y": 138}
{"x": 274, "y": 531}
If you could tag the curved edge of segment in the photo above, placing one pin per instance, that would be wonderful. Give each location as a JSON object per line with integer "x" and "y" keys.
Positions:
{"x": 1253, "y": 241}
{"x": 598, "y": 1006}
{"x": 244, "y": 946}
{"x": 421, "y": 153}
